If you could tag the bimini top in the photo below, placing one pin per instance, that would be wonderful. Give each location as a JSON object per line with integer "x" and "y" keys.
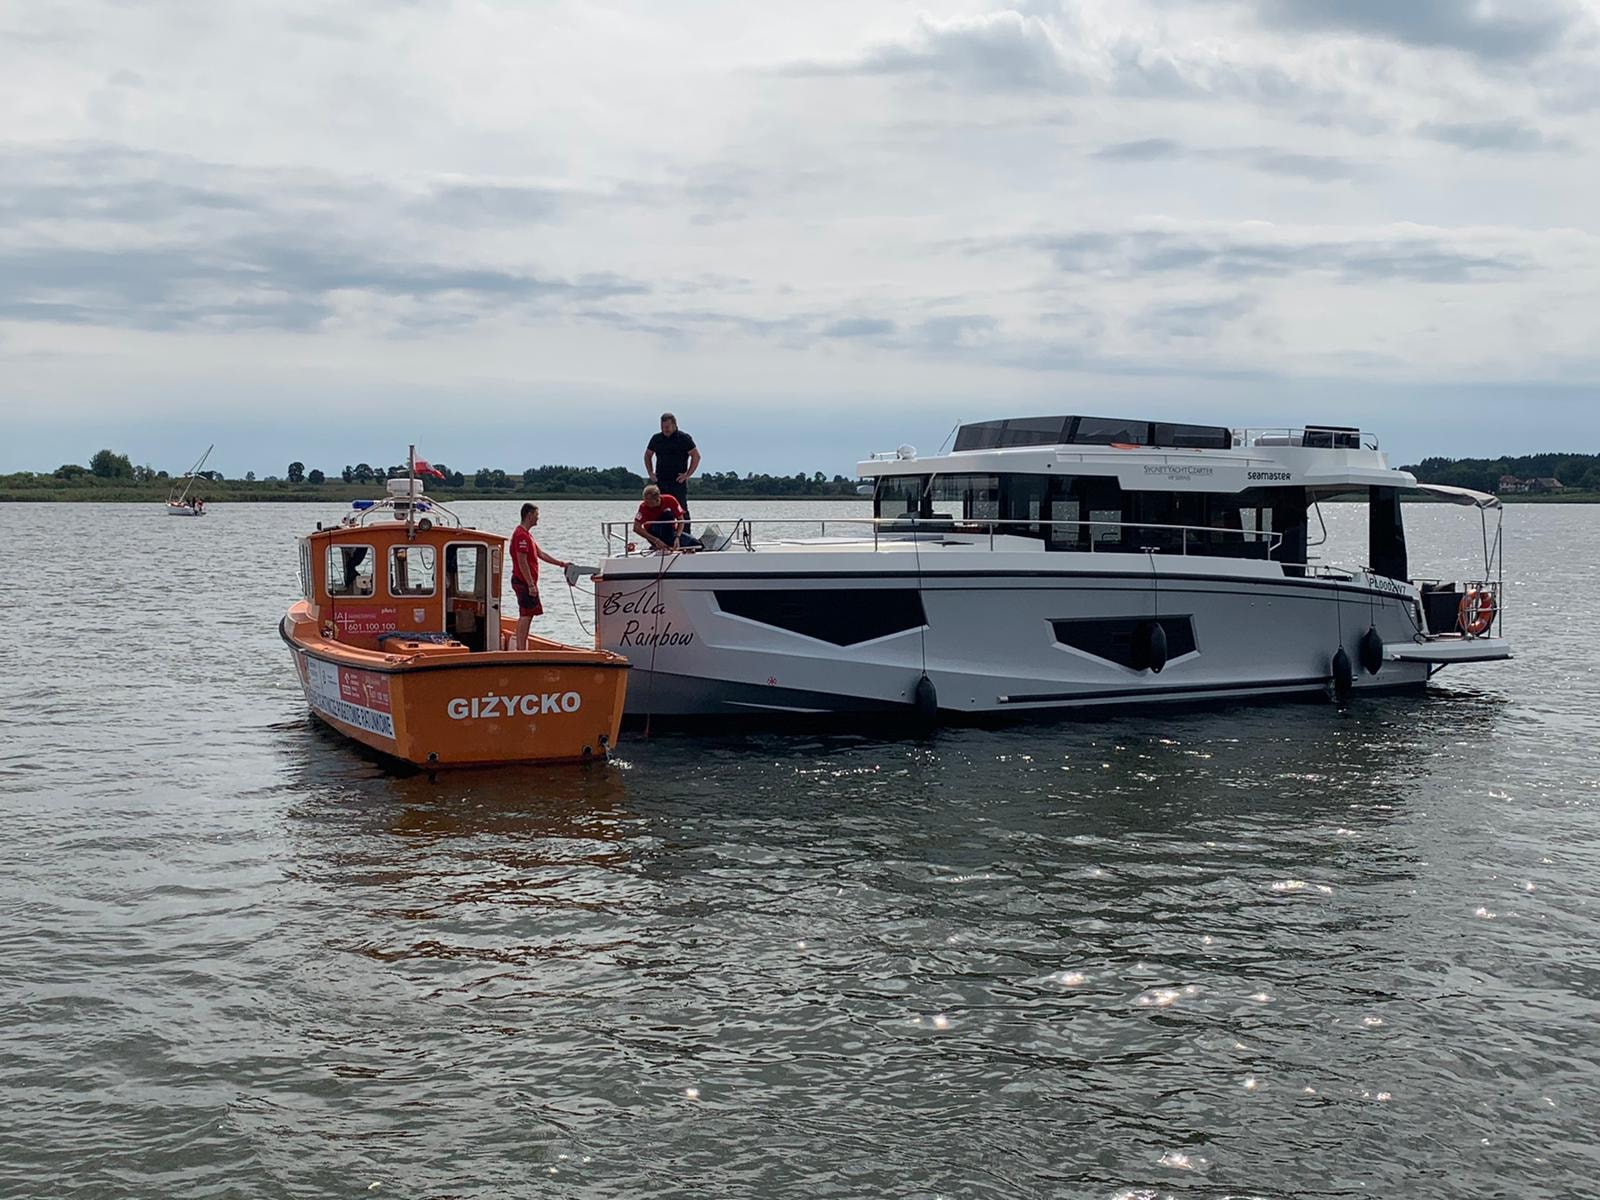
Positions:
{"x": 1459, "y": 495}
{"x": 1156, "y": 455}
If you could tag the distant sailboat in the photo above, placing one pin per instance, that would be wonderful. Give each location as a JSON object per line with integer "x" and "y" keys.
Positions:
{"x": 179, "y": 503}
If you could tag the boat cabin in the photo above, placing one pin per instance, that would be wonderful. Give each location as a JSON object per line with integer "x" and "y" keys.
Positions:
{"x": 1110, "y": 485}
{"x": 384, "y": 579}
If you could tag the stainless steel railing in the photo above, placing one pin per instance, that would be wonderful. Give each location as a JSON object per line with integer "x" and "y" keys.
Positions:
{"x": 1246, "y": 438}
{"x": 898, "y": 530}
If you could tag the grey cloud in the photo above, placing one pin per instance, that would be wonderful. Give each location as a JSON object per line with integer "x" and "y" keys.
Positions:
{"x": 1271, "y": 161}
{"x": 859, "y": 327}
{"x": 1003, "y": 51}
{"x": 1198, "y": 319}
{"x": 259, "y": 282}
{"x": 1315, "y": 167}
{"x": 1493, "y": 32}
{"x": 1017, "y": 52}
{"x": 1225, "y": 256}
{"x": 1508, "y": 135}
{"x": 953, "y": 331}
{"x": 494, "y": 204}
{"x": 682, "y": 324}
{"x": 135, "y": 201}
{"x": 174, "y": 244}
{"x": 1144, "y": 150}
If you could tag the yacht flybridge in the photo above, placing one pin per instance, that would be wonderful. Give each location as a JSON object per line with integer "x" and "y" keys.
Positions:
{"x": 1058, "y": 563}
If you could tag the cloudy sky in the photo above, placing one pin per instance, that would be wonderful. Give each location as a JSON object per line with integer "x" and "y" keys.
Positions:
{"x": 514, "y": 231}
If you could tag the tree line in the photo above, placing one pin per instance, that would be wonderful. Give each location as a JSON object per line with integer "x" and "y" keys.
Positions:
{"x": 599, "y": 481}
{"x": 1580, "y": 472}
{"x": 111, "y": 467}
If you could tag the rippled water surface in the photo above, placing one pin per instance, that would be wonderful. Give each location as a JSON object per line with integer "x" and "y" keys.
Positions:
{"x": 1290, "y": 951}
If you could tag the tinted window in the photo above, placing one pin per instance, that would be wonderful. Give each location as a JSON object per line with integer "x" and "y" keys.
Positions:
{"x": 843, "y": 616}
{"x": 1106, "y": 431}
{"x": 1015, "y": 431}
{"x": 1122, "y": 639}
{"x": 1210, "y": 437}
{"x": 899, "y": 495}
{"x": 967, "y": 497}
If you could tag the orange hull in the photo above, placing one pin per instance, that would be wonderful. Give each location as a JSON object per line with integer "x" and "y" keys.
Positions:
{"x": 441, "y": 706}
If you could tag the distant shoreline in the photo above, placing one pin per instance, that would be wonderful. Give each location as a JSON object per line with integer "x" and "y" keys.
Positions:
{"x": 342, "y": 493}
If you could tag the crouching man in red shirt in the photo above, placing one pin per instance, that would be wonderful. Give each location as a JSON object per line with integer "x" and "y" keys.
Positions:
{"x": 659, "y": 521}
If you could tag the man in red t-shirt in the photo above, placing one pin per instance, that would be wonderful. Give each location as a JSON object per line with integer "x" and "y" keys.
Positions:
{"x": 659, "y": 521}
{"x": 525, "y": 556}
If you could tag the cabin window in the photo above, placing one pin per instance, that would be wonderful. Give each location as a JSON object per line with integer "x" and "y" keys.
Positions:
{"x": 966, "y": 497}
{"x": 305, "y": 570}
{"x": 1168, "y": 521}
{"x": 350, "y": 570}
{"x": 1024, "y": 503}
{"x": 411, "y": 570}
{"x": 899, "y": 496}
{"x": 1066, "y": 530}
{"x": 1100, "y": 502}
{"x": 1110, "y": 431}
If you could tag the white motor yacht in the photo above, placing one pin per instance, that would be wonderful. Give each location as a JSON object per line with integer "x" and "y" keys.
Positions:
{"x": 1045, "y": 563}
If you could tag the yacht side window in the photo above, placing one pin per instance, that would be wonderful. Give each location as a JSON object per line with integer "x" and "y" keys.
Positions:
{"x": 899, "y": 496}
{"x": 350, "y": 570}
{"x": 966, "y": 497}
{"x": 1065, "y": 531}
{"x": 411, "y": 570}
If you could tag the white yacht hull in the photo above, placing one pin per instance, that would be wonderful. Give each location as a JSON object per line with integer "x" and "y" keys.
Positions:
{"x": 828, "y": 633}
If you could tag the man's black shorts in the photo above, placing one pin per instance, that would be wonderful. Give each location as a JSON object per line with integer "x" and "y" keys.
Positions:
{"x": 528, "y": 602}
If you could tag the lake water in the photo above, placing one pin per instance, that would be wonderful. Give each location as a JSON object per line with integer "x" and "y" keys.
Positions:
{"x": 1280, "y": 951}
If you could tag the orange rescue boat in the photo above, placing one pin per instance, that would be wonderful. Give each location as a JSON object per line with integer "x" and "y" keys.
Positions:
{"x": 399, "y": 643}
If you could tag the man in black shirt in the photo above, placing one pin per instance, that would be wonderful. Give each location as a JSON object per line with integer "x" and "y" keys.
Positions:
{"x": 669, "y": 460}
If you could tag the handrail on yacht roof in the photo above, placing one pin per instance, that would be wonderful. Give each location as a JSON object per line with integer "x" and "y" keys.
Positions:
{"x": 1246, "y": 438}
{"x": 744, "y": 528}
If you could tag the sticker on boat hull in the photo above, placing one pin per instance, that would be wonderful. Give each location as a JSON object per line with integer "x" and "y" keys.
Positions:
{"x": 359, "y": 698}
{"x": 365, "y": 620}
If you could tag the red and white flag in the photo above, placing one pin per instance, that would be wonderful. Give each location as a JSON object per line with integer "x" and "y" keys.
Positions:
{"x": 422, "y": 468}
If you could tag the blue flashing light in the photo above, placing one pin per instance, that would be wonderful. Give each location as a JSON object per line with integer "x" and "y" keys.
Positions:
{"x": 362, "y": 505}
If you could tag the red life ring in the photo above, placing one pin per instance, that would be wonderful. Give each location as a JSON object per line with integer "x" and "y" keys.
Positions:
{"x": 1477, "y": 612}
